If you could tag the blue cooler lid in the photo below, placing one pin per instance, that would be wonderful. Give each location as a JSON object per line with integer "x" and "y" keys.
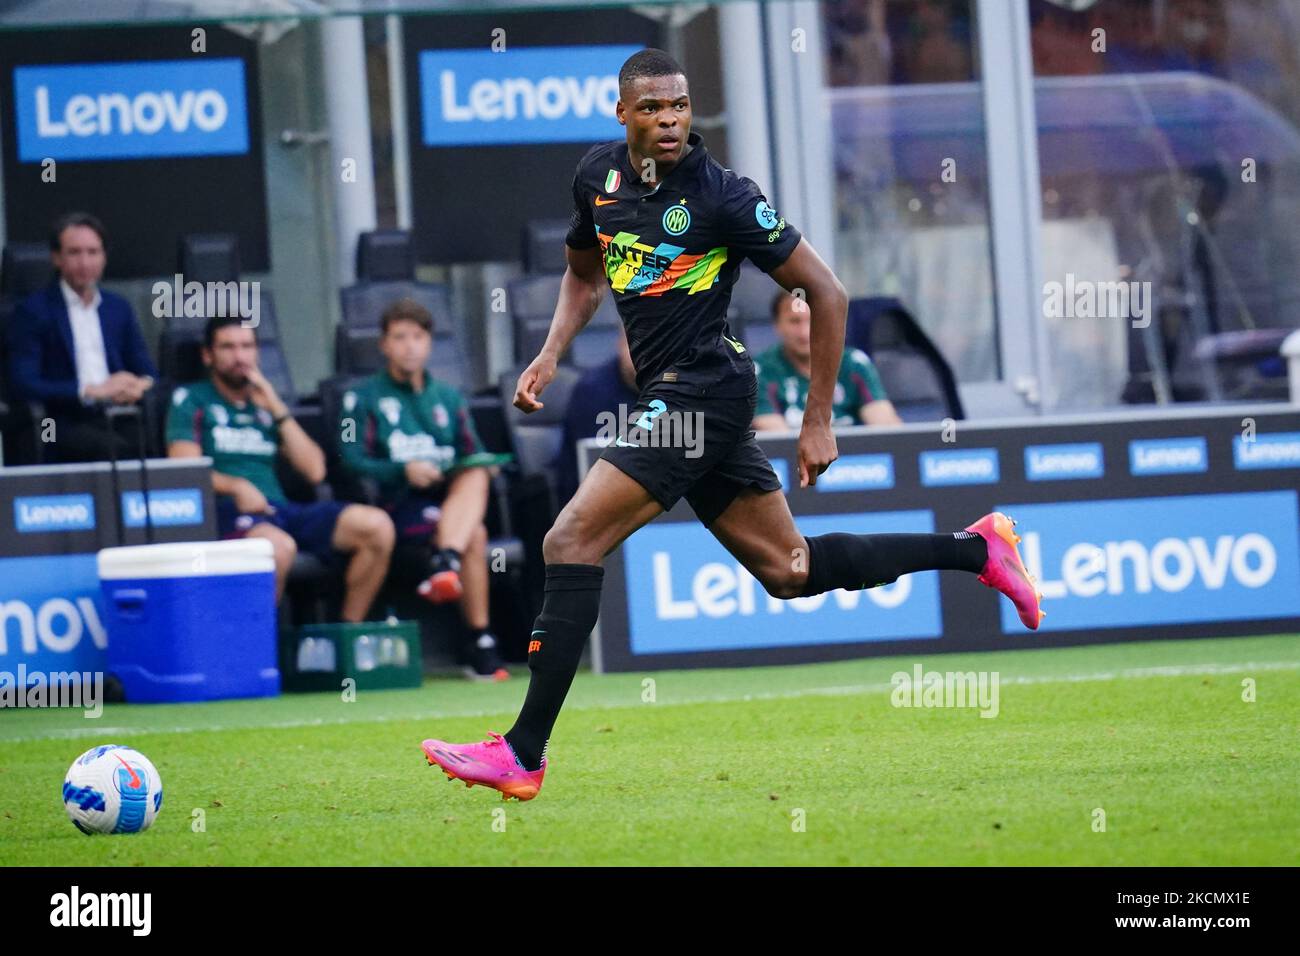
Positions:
{"x": 187, "y": 559}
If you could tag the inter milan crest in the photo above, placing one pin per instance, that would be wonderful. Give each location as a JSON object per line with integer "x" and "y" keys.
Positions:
{"x": 677, "y": 219}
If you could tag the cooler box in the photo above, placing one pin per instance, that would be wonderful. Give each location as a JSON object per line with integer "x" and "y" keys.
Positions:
{"x": 191, "y": 621}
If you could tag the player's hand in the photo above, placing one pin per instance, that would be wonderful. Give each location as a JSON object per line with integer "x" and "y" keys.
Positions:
{"x": 119, "y": 389}
{"x": 135, "y": 387}
{"x": 263, "y": 393}
{"x": 534, "y": 378}
{"x": 249, "y": 500}
{"x": 422, "y": 474}
{"x": 816, "y": 450}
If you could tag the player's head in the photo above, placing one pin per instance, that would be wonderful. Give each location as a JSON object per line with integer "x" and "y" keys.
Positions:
{"x": 406, "y": 338}
{"x": 655, "y": 106}
{"x": 229, "y": 350}
{"x": 790, "y": 315}
{"x": 77, "y": 249}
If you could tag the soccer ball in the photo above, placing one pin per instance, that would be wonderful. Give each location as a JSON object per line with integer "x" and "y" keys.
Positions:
{"x": 112, "y": 789}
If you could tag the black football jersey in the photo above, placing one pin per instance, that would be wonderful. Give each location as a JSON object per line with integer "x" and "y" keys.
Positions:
{"x": 672, "y": 253}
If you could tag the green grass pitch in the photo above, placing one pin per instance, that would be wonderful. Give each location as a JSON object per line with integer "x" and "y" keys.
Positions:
{"x": 803, "y": 765}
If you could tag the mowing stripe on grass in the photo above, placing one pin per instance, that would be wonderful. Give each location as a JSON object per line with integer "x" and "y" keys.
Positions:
{"x": 1132, "y": 673}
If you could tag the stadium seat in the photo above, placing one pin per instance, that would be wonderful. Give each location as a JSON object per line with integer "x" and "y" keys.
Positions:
{"x": 543, "y": 246}
{"x": 363, "y": 305}
{"x": 25, "y": 267}
{"x": 751, "y": 300}
{"x": 918, "y": 379}
{"x": 209, "y": 257}
{"x": 532, "y": 301}
{"x": 1239, "y": 366}
{"x": 535, "y": 438}
{"x": 757, "y": 337}
{"x": 385, "y": 255}
{"x": 358, "y": 354}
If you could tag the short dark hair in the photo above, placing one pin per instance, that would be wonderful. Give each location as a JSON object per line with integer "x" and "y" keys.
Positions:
{"x": 67, "y": 220}
{"x": 406, "y": 310}
{"x": 648, "y": 62}
{"x": 219, "y": 322}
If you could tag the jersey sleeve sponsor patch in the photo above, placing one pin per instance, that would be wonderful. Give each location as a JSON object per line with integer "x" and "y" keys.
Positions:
{"x": 753, "y": 227}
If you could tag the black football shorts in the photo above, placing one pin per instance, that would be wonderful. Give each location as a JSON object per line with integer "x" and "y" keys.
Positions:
{"x": 680, "y": 441}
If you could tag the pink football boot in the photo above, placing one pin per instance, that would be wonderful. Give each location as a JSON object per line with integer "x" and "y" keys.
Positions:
{"x": 1005, "y": 571}
{"x": 490, "y": 763}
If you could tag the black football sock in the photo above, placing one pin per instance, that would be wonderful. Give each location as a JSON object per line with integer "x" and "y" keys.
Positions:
{"x": 444, "y": 559}
{"x": 570, "y": 605}
{"x": 856, "y": 561}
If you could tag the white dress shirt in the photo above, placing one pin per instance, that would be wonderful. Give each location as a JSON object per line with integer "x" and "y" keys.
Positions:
{"x": 87, "y": 338}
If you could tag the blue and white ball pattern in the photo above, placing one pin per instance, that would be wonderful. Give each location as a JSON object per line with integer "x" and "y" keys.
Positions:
{"x": 112, "y": 789}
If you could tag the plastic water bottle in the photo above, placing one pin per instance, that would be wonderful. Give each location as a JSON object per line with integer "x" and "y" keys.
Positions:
{"x": 363, "y": 649}
{"x": 316, "y": 654}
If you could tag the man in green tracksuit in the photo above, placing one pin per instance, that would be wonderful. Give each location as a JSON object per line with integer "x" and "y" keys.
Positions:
{"x": 783, "y": 377}
{"x": 413, "y": 435}
{"x": 235, "y": 417}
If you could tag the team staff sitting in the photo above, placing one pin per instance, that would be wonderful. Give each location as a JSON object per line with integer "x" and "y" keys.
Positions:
{"x": 236, "y": 418}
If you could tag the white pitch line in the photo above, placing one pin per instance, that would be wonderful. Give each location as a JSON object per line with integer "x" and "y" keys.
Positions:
{"x": 1132, "y": 673}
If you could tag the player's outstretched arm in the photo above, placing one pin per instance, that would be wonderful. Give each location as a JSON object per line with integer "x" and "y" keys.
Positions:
{"x": 581, "y": 291}
{"x": 805, "y": 274}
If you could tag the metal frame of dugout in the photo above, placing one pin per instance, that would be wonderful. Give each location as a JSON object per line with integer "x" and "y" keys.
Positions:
{"x": 1190, "y": 514}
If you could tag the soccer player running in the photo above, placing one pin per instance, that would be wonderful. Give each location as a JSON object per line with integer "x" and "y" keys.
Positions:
{"x": 666, "y": 226}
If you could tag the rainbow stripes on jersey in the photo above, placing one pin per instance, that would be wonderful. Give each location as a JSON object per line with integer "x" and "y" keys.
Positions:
{"x": 635, "y": 268}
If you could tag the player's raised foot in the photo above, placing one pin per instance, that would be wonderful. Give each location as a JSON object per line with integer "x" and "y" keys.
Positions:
{"x": 1005, "y": 570}
{"x": 489, "y": 763}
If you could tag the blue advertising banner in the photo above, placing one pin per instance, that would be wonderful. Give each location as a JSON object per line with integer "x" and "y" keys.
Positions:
{"x": 1280, "y": 450}
{"x": 960, "y": 466}
{"x": 51, "y": 614}
{"x": 1054, "y": 462}
{"x": 1193, "y": 531}
{"x": 544, "y": 94}
{"x": 686, "y": 593}
{"x": 37, "y": 513}
{"x": 1226, "y": 557}
{"x": 167, "y": 507}
{"x": 502, "y": 106}
{"x": 1167, "y": 456}
{"x": 157, "y": 138}
{"x": 157, "y": 109}
{"x": 54, "y": 519}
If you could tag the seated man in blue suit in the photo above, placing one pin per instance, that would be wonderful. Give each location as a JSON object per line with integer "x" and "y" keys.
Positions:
{"x": 73, "y": 346}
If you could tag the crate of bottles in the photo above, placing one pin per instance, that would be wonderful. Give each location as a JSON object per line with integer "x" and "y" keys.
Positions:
{"x": 377, "y": 655}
